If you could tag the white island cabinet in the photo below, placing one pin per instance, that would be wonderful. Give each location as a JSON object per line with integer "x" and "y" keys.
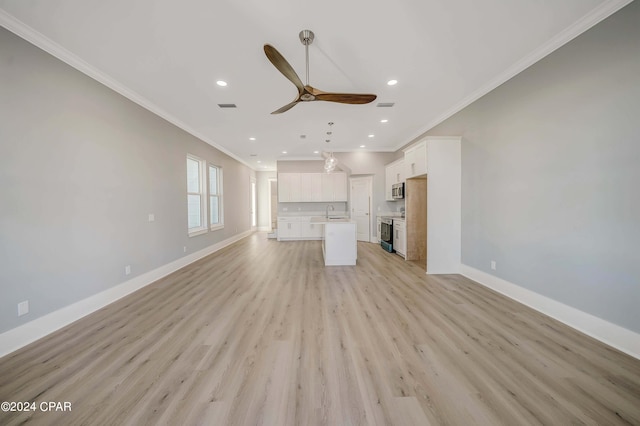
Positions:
{"x": 339, "y": 244}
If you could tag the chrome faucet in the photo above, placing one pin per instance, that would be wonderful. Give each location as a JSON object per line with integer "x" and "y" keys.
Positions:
{"x": 332, "y": 209}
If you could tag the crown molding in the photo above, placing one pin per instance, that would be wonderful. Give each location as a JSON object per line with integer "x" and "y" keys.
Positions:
{"x": 41, "y": 41}
{"x": 598, "y": 14}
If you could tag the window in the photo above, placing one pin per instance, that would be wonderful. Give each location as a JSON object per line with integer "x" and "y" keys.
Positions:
{"x": 215, "y": 197}
{"x": 196, "y": 201}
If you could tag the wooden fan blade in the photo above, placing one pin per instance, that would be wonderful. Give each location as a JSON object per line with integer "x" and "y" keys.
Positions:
{"x": 345, "y": 98}
{"x": 287, "y": 107}
{"x": 283, "y": 66}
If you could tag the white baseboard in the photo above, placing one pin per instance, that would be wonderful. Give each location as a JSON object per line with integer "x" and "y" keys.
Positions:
{"x": 613, "y": 335}
{"x": 20, "y": 336}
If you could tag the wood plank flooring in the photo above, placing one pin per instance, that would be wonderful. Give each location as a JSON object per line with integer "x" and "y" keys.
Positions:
{"x": 261, "y": 333}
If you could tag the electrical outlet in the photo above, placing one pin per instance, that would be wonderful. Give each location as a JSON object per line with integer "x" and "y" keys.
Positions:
{"x": 23, "y": 308}
{"x": 284, "y": 209}
{"x": 127, "y": 269}
{"x": 184, "y": 249}
{"x": 493, "y": 265}
{"x": 152, "y": 217}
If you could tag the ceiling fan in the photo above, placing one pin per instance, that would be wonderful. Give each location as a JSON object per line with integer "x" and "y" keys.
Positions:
{"x": 306, "y": 93}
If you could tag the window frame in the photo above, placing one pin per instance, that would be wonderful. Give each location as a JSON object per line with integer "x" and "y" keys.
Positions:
{"x": 202, "y": 193}
{"x": 219, "y": 193}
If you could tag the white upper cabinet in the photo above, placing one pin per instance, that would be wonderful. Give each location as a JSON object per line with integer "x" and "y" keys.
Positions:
{"x": 415, "y": 160}
{"x": 334, "y": 187}
{"x": 388, "y": 181}
{"x": 289, "y": 189}
{"x": 312, "y": 187}
{"x": 326, "y": 186}
{"x": 394, "y": 173}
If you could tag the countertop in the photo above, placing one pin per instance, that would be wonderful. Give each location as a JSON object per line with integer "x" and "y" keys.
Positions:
{"x": 325, "y": 220}
{"x": 313, "y": 213}
{"x": 391, "y": 217}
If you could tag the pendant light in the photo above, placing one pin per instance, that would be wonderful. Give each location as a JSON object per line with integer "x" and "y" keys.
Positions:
{"x": 330, "y": 162}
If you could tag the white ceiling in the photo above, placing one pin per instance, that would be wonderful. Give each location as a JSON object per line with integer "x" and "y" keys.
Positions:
{"x": 167, "y": 56}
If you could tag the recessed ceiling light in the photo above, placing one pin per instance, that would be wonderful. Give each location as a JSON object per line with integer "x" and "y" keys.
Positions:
{"x": 316, "y": 152}
{"x": 259, "y": 161}
{"x": 362, "y": 146}
{"x": 221, "y": 83}
{"x": 392, "y": 82}
{"x": 371, "y": 136}
{"x": 284, "y": 152}
{"x": 252, "y": 139}
{"x": 384, "y": 120}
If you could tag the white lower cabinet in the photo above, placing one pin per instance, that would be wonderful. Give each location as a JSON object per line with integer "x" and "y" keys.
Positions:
{"x": 289, "y": 228}
{"x": 299, "y": 228}
{"x": 400, "y": 237}
{"x": 379, "y": 222}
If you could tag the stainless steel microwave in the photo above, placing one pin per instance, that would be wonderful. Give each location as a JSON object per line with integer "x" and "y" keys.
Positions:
{"x": 397, "y": 191}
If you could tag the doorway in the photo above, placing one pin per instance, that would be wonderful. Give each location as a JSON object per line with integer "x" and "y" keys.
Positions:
{"x": 273, "y": 204}
{"x": 360, "y": 200}
{"x": 254, "y": 218}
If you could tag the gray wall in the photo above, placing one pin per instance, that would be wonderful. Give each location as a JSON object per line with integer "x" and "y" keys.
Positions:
{"x": 551, "y": 174}
{"x": 81, "y": 167}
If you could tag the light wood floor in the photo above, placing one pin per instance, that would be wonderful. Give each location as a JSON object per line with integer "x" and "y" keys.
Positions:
{"x": 262, "y": 333}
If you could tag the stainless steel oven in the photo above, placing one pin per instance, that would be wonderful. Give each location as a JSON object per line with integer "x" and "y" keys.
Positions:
{"x": 386, "y": 234}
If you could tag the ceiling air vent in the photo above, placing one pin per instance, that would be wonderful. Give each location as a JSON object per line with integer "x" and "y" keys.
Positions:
{"x": 227, "y": 105}
{"x": 385, "y": 104}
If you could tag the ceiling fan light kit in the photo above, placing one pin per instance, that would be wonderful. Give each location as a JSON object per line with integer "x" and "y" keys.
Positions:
{"x": 307, "y": 93}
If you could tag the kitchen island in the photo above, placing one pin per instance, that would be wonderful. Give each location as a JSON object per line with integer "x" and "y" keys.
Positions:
{"x": 339, "y": 243}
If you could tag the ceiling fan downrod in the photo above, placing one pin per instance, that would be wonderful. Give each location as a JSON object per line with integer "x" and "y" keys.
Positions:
{"x": 306, "y": 37}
